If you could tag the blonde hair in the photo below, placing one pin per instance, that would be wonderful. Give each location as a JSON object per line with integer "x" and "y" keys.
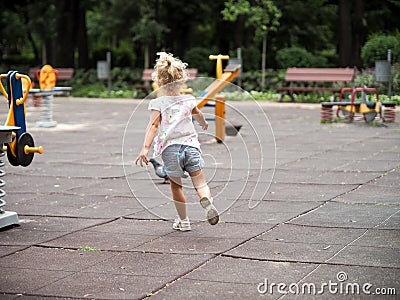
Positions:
{"x": 169, "y": 71}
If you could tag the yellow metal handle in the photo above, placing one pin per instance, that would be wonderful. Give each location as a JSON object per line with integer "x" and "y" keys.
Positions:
{"x": 219, "y": 59}
{"x": 2, "y": 87}
{"x": 28, "y": 149}
{"x": 23, "y": 99}
{"x": 219, "y": 56}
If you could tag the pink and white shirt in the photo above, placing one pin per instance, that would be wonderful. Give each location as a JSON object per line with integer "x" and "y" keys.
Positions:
{"x": 176, "y": 126}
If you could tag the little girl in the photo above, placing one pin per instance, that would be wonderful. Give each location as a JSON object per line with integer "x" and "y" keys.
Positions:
{"x": 176, "y": 141}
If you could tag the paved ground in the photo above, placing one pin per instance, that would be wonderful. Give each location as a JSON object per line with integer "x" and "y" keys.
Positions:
{"x": 94, "y": 226}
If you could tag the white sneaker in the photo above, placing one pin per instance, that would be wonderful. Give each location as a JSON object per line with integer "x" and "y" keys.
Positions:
{"x": 182, "y": 225}
{"x": 211, "y": 212}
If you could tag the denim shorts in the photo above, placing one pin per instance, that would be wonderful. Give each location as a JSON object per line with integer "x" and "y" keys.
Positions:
{"x": 180, "y": 158}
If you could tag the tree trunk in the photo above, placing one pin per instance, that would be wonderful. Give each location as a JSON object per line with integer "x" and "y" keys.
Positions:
{"x": 82, "y": 40}
{"x": 359, "y": 32}
{"x": 65, "y": 35}
{"x": 345, "y": 40}
{"x": 263, "y": 60}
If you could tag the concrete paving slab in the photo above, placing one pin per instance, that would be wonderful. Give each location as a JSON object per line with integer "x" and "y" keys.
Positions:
{"x": 103, "y": 286}
{"x": 147, "y": 264}
{"x": 185, "y": 245}
{"x": 306, "y": 234}
{"x": 100, "y": 241}
{"x": 285, "y": 251}
{"x": 51, "y": 259}
{"x": 20, "y": 281}
{"x": 346, "y": 215}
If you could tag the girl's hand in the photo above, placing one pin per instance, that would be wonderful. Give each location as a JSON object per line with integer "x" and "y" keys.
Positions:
{"x": 204, "y": 126}
{"x": 143, "y": 157}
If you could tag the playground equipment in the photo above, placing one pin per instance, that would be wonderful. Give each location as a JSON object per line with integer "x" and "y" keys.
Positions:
{"x": 349, "y": 109}
{"x": 47, "y": 77}
{"x": 17, "y": 141}
{"x": 230, "y": 72}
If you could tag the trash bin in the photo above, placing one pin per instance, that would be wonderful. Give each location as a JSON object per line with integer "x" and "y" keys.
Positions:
{"x": 382, "y": 71}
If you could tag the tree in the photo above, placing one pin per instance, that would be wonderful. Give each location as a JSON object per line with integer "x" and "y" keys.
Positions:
{"x": 262, "y": 15}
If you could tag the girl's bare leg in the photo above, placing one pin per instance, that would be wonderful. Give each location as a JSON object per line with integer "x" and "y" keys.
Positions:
{"x": 178, "y": 196}
{"x": 200, "y": 184}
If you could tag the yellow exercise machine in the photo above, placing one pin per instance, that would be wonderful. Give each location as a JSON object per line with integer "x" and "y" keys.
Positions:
{"x": 21, "y": 148}
{"x": 231, "y": 71}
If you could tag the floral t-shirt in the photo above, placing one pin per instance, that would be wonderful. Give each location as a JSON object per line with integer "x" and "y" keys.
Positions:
{"x": 176, "y": 126}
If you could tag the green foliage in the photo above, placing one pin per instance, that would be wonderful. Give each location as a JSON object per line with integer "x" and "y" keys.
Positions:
{"x": 367, "y": 77}
{"x": 298, "y": 57}
{"x": 377, "y": 46}
{"x": 262, "y": 15}
{"x": 197, "y": 58}
{"x": 251, "y": 58}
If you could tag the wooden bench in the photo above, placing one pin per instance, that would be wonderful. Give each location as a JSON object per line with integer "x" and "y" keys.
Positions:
{"x": 63, "y": 75}
{"x": 300, "y": 79}
{"x": 147, "y": 79}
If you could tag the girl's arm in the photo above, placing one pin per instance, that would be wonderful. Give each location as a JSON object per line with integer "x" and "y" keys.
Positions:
{"x": 199, "y": 117}
{"x": 151, "y": 132}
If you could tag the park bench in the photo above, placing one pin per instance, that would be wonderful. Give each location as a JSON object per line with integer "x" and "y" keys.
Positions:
{"x": 309, "y": 80}
{"x": 63, "y": 76}
{"x": 147, "y": 79}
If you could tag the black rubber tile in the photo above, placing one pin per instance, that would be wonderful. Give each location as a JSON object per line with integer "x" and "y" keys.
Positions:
{"x": 306, "y": 234}
{"x": 373, "y": 194}
{"x": 52, "y": 259}
{"x": 285, "y": 251}
{"x": 350, "y": 282}
{"x": 368, "y": 256}
{"x": 100, "y": 240}
{"x": 147, "y": 264}
{"x": 24, "y": 281}
{"x": 186, "y": 245}
{"x": 202, "y": 289}
{"x": 7, "y": 250}
{"x": 225, "y": 230}
{"x": 140, "y": 227}
{"x": 104, "y": 286}
{"x": 57, "y": 223}
{"x": 336, "y": 214}
{"x": 306, "y": 192}
{"x": 249, "y": 271}
{"x": 18, "y": 236}
{"x": 268, "y": 211}
{"x": 323, "y": 177}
